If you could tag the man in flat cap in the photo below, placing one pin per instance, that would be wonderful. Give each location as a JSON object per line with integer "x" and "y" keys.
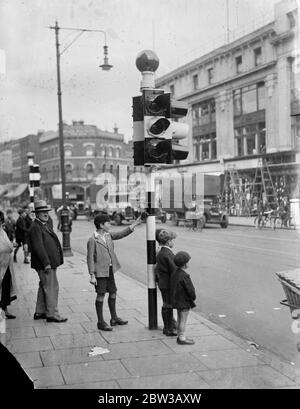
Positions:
{"x": 46, "y": 256}
{"x": 102, "y": 264}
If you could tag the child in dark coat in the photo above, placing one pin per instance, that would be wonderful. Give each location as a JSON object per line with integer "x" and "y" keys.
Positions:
{"x": 163, "y": 270}
{"x": 183, "y": 295}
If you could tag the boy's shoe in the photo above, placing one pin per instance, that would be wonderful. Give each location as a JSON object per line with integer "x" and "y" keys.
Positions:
{"x": 103, "y": 326}
{"x": 38, "y": 316}
{"x": 56, "y": 319}
{"x": 187, "y": 341}
{"x": 9, "y": 316}
{"x": 117, "y": 321}
{"x": 169, "y": 333}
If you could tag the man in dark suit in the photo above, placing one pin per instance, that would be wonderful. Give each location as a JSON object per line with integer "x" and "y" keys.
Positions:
{"x": 46, "y": 256}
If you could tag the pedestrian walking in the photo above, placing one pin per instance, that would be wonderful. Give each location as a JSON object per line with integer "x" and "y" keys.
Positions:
{"x": 7, "y": 277}
{"x": 10, "y": 225}
{"x": 46, "y": 256}
{"x": 183, "y": 295}
{"x": 21, "y": 229}
{"x": 102, "y": 264}
{"x": 164, "y": 268}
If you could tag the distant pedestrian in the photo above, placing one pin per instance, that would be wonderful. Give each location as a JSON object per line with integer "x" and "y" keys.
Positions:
{"x": 29, "y": 218}
{"x": 7, "y": 277}
{"x": 21, "y": 230}
{"x": 102, "y": 264}
{"x": 10, "y": 225}
{"x": 164, "y": 268}
{"x": 183, "y": 295}
{"x": 46, "y": 256}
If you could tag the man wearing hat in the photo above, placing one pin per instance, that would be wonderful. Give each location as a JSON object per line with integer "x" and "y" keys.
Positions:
{"x": 102, "y": 264}
{"x": 46, "y": 256}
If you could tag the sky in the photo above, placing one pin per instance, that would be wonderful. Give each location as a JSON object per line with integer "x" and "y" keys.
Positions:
{"x": 177, "y": 30}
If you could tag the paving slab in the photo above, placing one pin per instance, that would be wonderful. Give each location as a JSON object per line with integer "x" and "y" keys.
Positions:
{"x": 226, "y": 358}
{"x": 164, "y": 364}
{"x": 92, "y": 385}
{"x": 29, "y": 345}
{"x": 130, "y": 334}
{"x": 185, "y": 380}
{"x": 59, "y": 328}
{"x": 29, "y": 359}
{"x": 44, "y": 377}
{"x": 77, "y": 340}
{"x": 254, "y": 377}
{"x": 133, "y": 324}
{"x": 20, "y": 332}
{"x": 203, "y": 343}
{"x": 68, "y": 356}
{"x": 94, "y": 371}
{"x": 136, "y": 349}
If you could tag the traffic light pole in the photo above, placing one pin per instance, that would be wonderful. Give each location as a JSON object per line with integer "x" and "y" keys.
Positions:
{"x": 30, "y": 157}
{"x": 151, "y": 251}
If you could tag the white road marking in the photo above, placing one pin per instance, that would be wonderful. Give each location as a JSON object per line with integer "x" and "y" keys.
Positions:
{"x": 250, "y": 312}
{"x": 222, "y": 316}
{"x": 276, "y": 308}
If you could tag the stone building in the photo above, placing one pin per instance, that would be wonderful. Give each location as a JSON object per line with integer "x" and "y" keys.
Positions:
{"x": 243, "y": 102}
{"x": 89, "y": 151}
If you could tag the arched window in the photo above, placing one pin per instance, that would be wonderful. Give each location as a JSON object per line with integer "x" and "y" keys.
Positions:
{"x": 89, "y": 169}
{"x": 68, "y": 150}
{"x": 104, "y": 168}
{"x": 117, "y": 152}
{"x": 102, "y": 152}
{"x": 111, "y": 169}
{"x": 110, "y": 152}
{"x": 89, "y": 150}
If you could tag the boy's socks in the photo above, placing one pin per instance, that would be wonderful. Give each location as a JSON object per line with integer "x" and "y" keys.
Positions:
{"x": 99, "y": 311}
{"x": 112, "y": 307}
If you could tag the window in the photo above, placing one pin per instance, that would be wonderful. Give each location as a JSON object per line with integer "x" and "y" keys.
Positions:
{"x": 103, "y": 151}
{"x": 117, "y": 152}
{"x": 89, "y": 169}
{"x": 195, "y": 81}
{"x": 250, "y": 139}
{"x": 204, "y": 113}
{"x": 249, "y": 99}
{"x": 237, "y": 102}
{"x": 89, "y": 150}
{"x": 110, "y": 152}
{"x": 261, "y": 96}
{"x": 205, "y": 147}
{"x": 68, "y": 168}
{"x": 257, "y": 56}
{"x": 249, "y": 102}
{"x": 238, "y": 64}
{"x": 210, "y": 73}
{"x": 292, "y": 19}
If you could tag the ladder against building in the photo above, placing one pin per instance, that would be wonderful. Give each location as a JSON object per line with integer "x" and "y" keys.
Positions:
{"x": 263, "y": 190}
{"x": 234, "y": 195}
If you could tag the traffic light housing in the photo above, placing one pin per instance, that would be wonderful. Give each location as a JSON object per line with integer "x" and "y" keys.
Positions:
{"x": 156, "y": 135}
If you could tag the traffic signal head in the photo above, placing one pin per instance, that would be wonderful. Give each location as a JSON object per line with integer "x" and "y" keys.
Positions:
{"x": 155, "y": 135}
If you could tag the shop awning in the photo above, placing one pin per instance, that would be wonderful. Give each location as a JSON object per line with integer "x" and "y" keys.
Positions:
{"x": 16, "y": 191}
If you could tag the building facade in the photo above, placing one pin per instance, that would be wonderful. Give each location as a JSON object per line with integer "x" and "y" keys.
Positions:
{"x": 244, "y": 102}
{"x": 5, "y": 163}
{"x": 89, "y": 152}
{"x": 20, "y": 148}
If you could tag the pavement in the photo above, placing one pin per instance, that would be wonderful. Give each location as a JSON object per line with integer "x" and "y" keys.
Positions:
{"x": 56, "y": 355}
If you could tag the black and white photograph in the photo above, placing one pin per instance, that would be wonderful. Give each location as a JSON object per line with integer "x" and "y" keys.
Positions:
{"x": 149, "y": 198}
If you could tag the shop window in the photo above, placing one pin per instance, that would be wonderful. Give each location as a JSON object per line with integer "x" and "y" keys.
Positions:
{"x": 250, "y": 139}
{"x": 204, "y": 114}
{"x": 261, "y": 96}
{"x": 237, "y": 102}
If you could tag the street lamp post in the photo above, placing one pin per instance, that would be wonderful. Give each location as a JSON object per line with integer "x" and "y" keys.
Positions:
{"x": 105, "y": 67}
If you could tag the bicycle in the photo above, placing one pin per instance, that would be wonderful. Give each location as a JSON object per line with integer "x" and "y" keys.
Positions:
{"x": 262, "y": 220}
